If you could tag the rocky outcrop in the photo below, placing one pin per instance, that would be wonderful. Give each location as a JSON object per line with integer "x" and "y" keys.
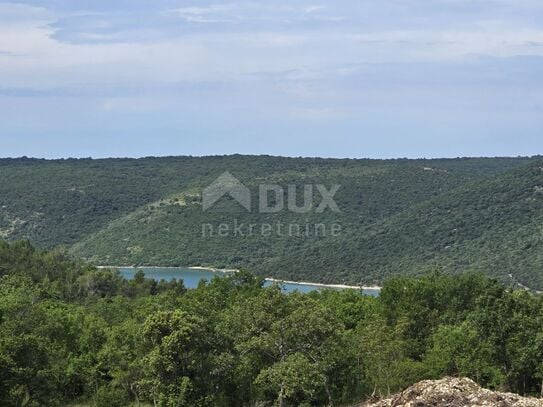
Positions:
{"x": 453, "y": 392}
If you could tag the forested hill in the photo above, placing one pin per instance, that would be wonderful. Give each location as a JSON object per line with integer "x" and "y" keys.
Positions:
{"x": 397, "y": 216}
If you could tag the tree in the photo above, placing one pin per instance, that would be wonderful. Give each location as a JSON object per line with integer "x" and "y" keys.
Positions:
{"x": 459, "y": 350}
{"x": 382, "y": 353}
{"x": 294, "y": 378}
{"x": 174, "y": 359}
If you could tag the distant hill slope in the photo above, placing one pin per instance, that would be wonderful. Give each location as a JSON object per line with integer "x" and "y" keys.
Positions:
{"x": 397, "y": 216}
{"x": 494, "y": 226}
{"x": 54, "y": 202}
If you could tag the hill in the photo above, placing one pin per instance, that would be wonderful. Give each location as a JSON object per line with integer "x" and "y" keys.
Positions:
{"x": 396, "y": 216}
{"x": 491, "y": 226}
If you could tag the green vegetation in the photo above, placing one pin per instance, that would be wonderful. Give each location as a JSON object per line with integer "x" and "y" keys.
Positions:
{"x": 74, "y": 335}
{"x": 398, "y": 217}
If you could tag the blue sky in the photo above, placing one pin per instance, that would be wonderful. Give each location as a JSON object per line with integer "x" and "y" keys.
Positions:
{"x": 343, "y": 78}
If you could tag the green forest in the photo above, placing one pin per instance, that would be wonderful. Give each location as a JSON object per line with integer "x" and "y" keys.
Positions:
{"x": 74, "y": 335}
{"x": 398, "y": 217}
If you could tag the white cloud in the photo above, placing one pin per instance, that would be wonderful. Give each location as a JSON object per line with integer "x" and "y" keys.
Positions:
{"x": 312, "y": 9}
{"x": 21, "y": 14}
{"x": 320, "y": 66}
{"x": 209, "y": 14}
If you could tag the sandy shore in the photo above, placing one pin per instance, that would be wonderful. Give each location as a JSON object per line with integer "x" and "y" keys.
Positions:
{"x": 215, "y": 270}
{"x": 270, "y": 279}
{"x": 342, "y": 286}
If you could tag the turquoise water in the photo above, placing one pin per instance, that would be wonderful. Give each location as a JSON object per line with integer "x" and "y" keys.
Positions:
{"x": 191, "y": 278}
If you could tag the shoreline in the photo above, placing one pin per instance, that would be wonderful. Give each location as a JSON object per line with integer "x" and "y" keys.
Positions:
{"x": 342, "y": 286}
{"x": 213, "y": 269}
{"x": 270, "y": 279}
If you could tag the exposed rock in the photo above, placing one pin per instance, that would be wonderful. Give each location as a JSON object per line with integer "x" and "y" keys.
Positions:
{"x": 453, "y": 392}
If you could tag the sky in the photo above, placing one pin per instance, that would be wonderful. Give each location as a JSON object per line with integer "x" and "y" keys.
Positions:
{"x": 331, "y": 78}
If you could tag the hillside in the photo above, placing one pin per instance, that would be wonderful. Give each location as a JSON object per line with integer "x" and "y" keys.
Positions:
{"x": 492, "y": 226}
{"x": 54, "y": 202}
{"x": 397, "y": 216}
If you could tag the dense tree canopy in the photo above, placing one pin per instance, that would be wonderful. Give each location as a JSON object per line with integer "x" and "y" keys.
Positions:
{"x": 71, "y": 334}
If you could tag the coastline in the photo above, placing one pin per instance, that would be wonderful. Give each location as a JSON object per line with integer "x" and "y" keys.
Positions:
{"x": 213, "y": 269}
{"x": 269, "y": 279}
{"x": 341, "y": 286}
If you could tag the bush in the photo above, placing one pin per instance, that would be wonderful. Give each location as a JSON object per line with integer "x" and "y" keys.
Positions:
{"x": 111, "y": 397}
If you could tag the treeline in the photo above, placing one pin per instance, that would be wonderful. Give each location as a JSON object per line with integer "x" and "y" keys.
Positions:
{"x": 74, "y": 335}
